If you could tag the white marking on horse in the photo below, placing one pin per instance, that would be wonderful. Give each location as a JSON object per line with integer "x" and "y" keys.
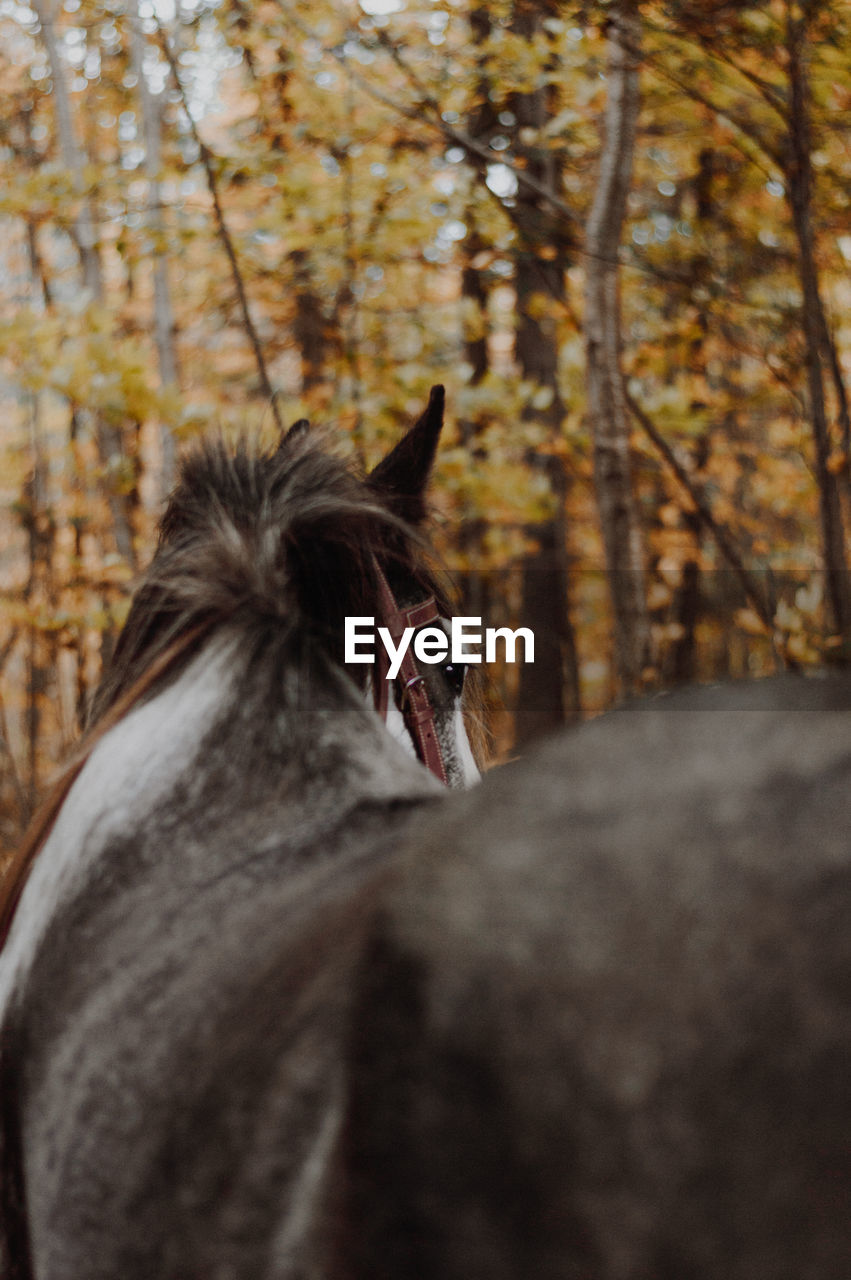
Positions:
{"x": 128, "y": 773}
{"x": 398, "y": 730}
{"x": 469, "y": 768}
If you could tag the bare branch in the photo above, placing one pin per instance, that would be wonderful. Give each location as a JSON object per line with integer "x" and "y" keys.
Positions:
{"x": 224, "y": 233}
{"x": 722, "y": 537}
{"x": 8, "y": 646}
{"x": 770, "y": 93}
{"x": 745, "y": 127}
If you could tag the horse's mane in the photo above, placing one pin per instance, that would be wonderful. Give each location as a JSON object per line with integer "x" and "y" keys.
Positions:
{"x": 283, "y": 544}
{"x": 278, "y": 542}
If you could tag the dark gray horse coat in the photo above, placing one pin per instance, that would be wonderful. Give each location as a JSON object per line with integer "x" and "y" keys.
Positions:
{"x": 603, "y": 1026}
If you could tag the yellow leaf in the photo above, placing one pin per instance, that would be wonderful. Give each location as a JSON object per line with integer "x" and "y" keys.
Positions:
{"x": 750, "y": 622}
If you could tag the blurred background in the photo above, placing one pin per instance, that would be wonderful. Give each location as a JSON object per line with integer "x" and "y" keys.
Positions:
{"x": 618, "y": 233}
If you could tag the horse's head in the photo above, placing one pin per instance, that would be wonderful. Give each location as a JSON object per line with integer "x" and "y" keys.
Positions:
{"x": 290, "y": 544}
{"x": 400, "y": 481}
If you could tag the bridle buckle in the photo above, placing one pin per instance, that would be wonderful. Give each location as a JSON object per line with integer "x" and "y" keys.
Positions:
{"x": 407, "y": 687}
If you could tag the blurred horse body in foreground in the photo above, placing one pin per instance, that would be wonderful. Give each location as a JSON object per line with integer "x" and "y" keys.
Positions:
{"x": 603, "y": 1021}
{"x": 276, "y": 1006}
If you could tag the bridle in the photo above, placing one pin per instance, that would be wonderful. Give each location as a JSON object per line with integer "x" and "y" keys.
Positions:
{"x": 414, "y": 703}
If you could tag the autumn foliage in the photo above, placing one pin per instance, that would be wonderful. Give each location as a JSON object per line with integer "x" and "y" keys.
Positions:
{"x": 618, "y": 234}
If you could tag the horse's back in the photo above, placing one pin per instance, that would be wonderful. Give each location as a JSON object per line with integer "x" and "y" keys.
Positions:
{"x": 603, "y": 1027}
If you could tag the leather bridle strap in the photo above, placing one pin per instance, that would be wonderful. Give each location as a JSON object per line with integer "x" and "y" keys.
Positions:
{"x": 416, "y": 708}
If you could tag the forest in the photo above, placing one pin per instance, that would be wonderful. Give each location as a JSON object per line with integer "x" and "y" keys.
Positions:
{"x": 617, "y": 232}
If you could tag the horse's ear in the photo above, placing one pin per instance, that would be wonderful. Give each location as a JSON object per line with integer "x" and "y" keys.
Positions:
{"x": 402, "y": 476}
{"x": 296, "y": 431}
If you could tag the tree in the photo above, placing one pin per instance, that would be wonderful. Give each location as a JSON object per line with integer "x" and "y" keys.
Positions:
{"x": 799, "y": 175}
{"x": 151, "y": 107}
{"x": 549, "y": 693}
{"x": 607, "y": 406}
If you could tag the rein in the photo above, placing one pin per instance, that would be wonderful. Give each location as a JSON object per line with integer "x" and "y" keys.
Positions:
{"x": 414, "y": 702}
{"x": 12, "y": 883}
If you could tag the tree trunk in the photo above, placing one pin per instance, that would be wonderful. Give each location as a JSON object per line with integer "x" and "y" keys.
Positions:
{"x": 831, "y": 355}
{"x": 607, "y": 408}
{"x": 799, "y": 186}
{"x": 475, "y": 593}
{"x": 163, "y": 315}
{"x": 476, "y": 596}
{"x": 548, "y": 694}
{"x": 40, "y": 597}
{"x": 72, "y": 155}
{"x": 548, "y": 689}
{"x": 108, "y": 438}
{"x": 309, "y": 327}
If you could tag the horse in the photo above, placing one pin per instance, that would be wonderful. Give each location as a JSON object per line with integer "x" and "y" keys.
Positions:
{"x": 170, "y": 988}
{"x": 602, "y": 1020}
{"x": 277, "y": 1005}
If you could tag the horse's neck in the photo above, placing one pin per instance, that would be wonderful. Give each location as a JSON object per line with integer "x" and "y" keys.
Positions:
{"x": 204, "y": 766}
